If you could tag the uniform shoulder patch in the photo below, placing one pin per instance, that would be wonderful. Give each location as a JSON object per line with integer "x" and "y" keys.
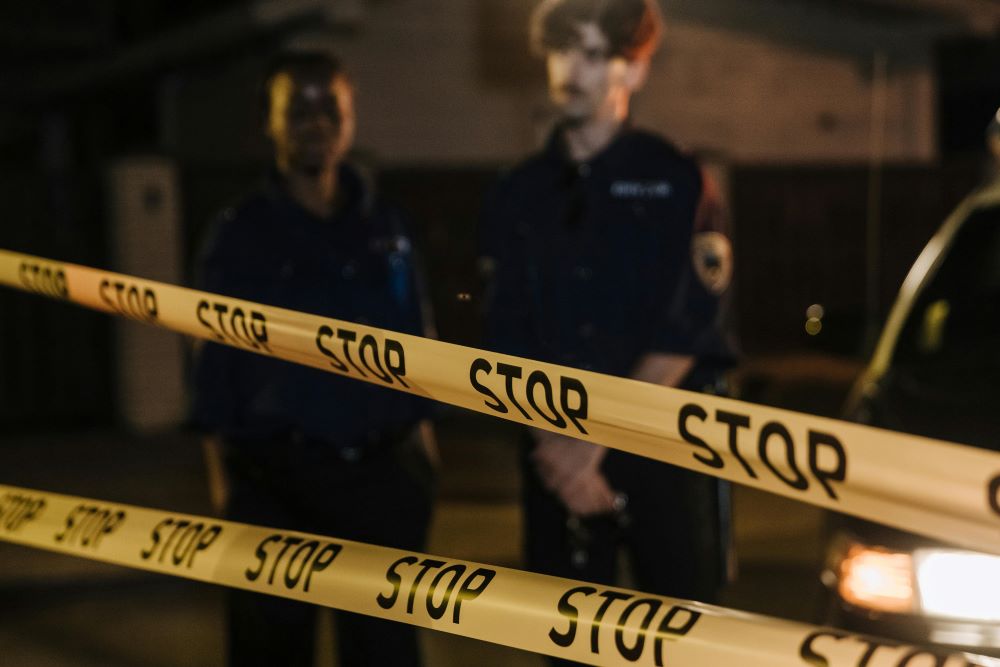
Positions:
{"x": 712, "y": 256}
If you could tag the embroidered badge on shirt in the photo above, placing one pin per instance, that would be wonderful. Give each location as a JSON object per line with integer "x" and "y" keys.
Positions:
{"x": 641, "y": 189}
{"x": 712, "y": 256}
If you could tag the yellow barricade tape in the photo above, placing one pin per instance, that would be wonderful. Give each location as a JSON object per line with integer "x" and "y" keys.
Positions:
{"x": 568, "y": 619}
{"x": 940, "y": 489}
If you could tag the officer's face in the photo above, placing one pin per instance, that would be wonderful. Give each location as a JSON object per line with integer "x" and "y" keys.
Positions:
{"x": 311, "y": 120}
{"x": 584, "y": 82}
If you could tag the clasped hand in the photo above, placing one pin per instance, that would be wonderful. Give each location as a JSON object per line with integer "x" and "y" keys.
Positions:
{"x": 571, "y": 469}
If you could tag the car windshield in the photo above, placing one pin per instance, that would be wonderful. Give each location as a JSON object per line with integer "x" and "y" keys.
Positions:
{"x": 947, "y": 354}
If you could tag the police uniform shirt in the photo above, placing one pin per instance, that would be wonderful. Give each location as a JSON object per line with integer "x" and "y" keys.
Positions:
{"x": 598, "y": 263}
{"x": 356, "y": 266}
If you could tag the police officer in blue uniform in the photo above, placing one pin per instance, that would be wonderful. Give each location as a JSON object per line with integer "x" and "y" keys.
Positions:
{"x": 606, "y": 251}
{"x": 303, "y": 449}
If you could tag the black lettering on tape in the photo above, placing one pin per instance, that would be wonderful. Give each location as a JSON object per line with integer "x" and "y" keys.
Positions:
{"x": 712, "y": 460}
{"x": 573, "y": 400}
{"x": 393, "y": 577}
{"x": 44, "y": 279}
{"x": 676, "y": 622}
{"x": 456, "y": 571}
{"x": 150, "y": 305}
{"x": 512, "y": 372}
{"x": 633, "y": 653}
{"x": 839, "y": 471}
{"x": 471, "y": 587}
{"x": 203, "y": 306}
{"x": 304, "y": 560}
{"x": 129, "y": 300}
{"x": 735, "y": 422}
{"x": 231, "y": 325}
{"x": 386, "y": 365}
{"x": 668, "y": 630}
{"x": 395, "y": 360}
{"x": 321, "y": 562}
{"x": 16, "y": 510}
{"x": 428, "y": 564}
{"x": 327, "y": 332}
{"x": 368, "y": 342}
{"x": 288, "y": 543}
{"x": 183, "y": 544}
{"x": 539, "y": 378}
{"x": 610, "y": 597}
{"x": 258, "y": 326}
{"x": 809, "y": 654}
{"x": 239, "y": 326}
{"x": 483, "y": 366}
{"x": 569, "y": 386}
{"x": 87, "y": 525}
{"x": 798, "y": 481}
{"x": 134, "y": 303}
{"x": 821, "y": 446}
{"x": 349, "y": 337}
{"x": 261, "y": 554}
{"x": 571, "y": 614}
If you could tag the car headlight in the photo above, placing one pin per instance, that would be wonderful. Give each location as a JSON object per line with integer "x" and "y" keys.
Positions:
{"x": 877, "y": 579}
{"x": 959, "y": 584}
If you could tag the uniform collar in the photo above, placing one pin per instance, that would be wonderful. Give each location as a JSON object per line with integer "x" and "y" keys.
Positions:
{"x": 556, "y": 150}
{"x": 356, "y": 195}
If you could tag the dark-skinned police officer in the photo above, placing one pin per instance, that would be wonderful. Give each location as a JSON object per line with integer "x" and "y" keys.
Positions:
{"x": 302, "y": 449}
{"x": 606, "y": 252}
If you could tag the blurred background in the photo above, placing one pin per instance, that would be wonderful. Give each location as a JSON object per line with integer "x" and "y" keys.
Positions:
{"x": 843, "y": 132}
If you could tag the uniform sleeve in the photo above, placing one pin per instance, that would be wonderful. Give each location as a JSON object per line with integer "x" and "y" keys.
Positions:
{"x": 411, "y": 293}
{"x": 502, "y": 263}
{"x": 694, "y": 321}
{"x": 409, "y": 282}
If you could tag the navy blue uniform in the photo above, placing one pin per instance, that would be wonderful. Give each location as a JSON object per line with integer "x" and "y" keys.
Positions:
{"x": 595, "y": 265}
{"x": 305, "y": 449}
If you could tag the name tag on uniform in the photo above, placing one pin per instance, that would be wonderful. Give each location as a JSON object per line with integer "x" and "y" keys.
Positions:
{"x": 641, "y": 189}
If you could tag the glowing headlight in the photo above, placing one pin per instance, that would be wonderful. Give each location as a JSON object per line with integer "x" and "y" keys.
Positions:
{"x": 877, "y": 579}
{"x": 959, "y": 584}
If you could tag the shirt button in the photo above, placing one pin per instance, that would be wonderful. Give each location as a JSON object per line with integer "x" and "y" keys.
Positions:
{"x": 586, "y": 330}
{"x": 349, "y": 270}
{"x": 583, "y": 273}
{"x": 350, "y": 454}
{"x": 583, "y": 170}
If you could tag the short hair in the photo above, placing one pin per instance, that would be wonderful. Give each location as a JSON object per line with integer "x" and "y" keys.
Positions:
{"x": 633, "y": 28}
{"x": 313, "y": 63}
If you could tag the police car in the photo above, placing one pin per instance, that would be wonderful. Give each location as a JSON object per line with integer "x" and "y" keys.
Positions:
{"x": 934, "y": 373}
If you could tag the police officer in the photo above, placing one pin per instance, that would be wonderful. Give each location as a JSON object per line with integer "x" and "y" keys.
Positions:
{"x": 606, "y": 251}
{"x": 303, "y": 449}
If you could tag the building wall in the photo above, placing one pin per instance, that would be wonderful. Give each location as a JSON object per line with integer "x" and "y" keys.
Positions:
{"x": 744, "y": 96}
{"x": 719, "y": 86}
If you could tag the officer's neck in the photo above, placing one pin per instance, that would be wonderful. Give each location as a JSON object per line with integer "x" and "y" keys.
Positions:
{"x": 315, "y": 191}
{"x": 586, "y": 139}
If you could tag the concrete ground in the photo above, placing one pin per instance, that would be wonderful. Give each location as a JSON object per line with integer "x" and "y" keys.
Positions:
{"x": 59, "y": 611}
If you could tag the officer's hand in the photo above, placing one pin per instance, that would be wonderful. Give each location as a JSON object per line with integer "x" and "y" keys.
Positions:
{"x": 588, "y": 494}
{"x": 560, "y": 460}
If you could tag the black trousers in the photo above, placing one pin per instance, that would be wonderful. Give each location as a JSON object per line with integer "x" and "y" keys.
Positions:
{"x": 670, "y": 531}
{"x": 384, "y": 499}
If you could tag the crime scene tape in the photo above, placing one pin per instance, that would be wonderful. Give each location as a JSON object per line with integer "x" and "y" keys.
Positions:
{"x": 569, "y": 619}
{"x": 943, "y": 490}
